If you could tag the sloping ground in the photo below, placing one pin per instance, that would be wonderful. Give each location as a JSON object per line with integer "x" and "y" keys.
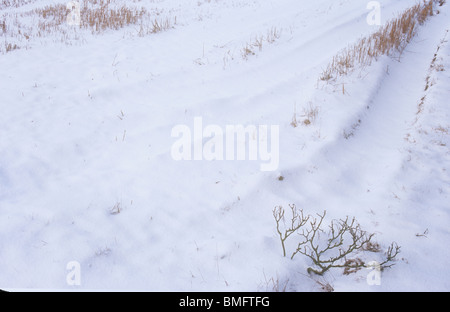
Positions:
{"x": 424, "y": 183}
{"x": 86, "y": 172}
{"x": 390, "y": 166}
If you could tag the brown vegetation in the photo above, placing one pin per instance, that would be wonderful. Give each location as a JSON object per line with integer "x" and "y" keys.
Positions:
{"x": 390, "y": 40}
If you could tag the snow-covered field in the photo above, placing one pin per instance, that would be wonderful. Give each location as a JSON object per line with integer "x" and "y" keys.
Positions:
{"x": 89, "y": 174}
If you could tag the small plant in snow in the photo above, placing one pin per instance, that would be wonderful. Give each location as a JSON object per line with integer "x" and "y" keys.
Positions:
{"x": 247, "y": 51}
{"x": 273, "y": 34}
{"x": 310, "y": 114}
{"x": 116, "y": 209}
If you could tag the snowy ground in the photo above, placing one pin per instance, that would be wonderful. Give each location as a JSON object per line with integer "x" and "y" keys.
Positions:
{"x": 86, "y": 126}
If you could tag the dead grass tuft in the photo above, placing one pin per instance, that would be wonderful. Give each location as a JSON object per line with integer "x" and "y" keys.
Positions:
{"x": 272, "y": 35}
{"x": 310, "y": 114}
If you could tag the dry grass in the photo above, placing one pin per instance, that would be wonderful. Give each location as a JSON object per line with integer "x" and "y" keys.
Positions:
{"x": 275, "y": 285}
{"x": 96, "y": 16}
{"x": 10, "y": 47}
{"x": 272, "y": 35}
{"x": 442, "y": 130}
{"x": 310, "y": 114}
{"x": 155, "y": 26}
{"x": 253, "y": 46}
{"x": 247, "y": 51}
{"x": 435, "y": 67}
{"x": 390, "y": 40}
{"x": 325, "y": 286}
{"x": 14, "y": 3}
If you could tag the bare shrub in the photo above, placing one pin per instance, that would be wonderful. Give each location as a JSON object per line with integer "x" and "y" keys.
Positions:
{"x": 332, "y": 248}
{"x": 297, "y": 221}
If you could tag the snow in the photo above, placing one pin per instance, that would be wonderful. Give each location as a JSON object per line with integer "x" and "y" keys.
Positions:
{"x": 85, "y": 126}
